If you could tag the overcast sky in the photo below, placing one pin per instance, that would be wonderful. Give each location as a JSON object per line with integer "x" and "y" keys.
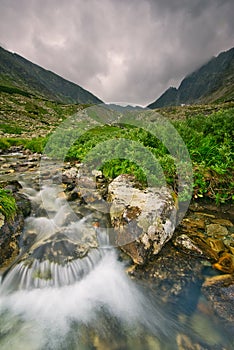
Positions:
{"x": 120, "y": 50}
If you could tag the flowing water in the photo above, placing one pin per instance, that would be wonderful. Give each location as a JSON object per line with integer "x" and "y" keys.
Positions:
{"x": 87, "y": 303}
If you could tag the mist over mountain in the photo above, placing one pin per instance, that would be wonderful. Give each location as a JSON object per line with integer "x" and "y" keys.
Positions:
{"x": 211, "y": 83}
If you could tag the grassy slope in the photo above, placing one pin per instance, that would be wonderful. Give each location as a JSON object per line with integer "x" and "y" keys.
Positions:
{"x": 206, "y": 129}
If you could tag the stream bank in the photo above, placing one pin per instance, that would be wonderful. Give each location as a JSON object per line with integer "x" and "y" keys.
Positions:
{"x": 193, "y": 271}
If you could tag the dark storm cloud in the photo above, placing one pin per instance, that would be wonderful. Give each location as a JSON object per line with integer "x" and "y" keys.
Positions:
{"x": 121, "y": 50}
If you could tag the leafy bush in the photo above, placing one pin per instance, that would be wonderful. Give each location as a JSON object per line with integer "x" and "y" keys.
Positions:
{"x": 209, "y": 140}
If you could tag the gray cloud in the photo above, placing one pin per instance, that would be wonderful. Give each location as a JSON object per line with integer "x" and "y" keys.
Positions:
{"x": 128, "y": 50}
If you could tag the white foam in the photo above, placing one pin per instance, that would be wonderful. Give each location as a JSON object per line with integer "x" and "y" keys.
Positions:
{"x": 53, "y": 309}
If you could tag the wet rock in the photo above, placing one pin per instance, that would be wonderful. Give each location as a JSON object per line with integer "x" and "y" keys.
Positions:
{"x": 9, "y": 238}
{"x": 223, "y": 222}
{"x": 2, "y": 220}
{"x": 88, "y": 186}
{"x": 60, "y": 249}
{"x": 72, "y": 192}
{"x": 225, "y": 263}
{"x": 216, "y": 230}
{"x": 55, "y": 258}
{"x": 219, "y": 291}
{"x": 175, "y": 278}
{"x": 201, "y": 235}
{"x": 216, "y": 244}
{"x": 143, "y": 220}
{"x": 194, "y": 246}
{"x": 11, "y": 229}
{"x": 13, "y": 186}
{"x": 23, "y": 204}
{"x": 184, "y": 342}
{"x": 69, "y": 175}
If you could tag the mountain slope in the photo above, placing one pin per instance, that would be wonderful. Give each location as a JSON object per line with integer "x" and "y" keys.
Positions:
{"x": 20, "y": 75}
{"x": 213, "y": 82}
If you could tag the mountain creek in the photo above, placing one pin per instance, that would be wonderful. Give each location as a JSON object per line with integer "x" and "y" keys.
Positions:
{"x": 81, "y": 269}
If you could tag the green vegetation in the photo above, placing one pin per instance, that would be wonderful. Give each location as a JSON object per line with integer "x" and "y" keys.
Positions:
{"x": 209, "y": 140}
{"x": 36, "y": 144}
{"x": 207, "y": 131}
{"x": 14, "y": 90}
{"x": 9, "y": 129}
{"x": 7, "y": 204}
{"x": 210, "y": 144}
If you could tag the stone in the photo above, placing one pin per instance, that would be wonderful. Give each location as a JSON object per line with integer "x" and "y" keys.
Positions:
{"x": 171, "y": 276}
{"x": 223, "y": 222}
{"x": 13, "y": 186}
{"x": 69, "y": 175}
{"x": 143, "y": 219}
{"x": 216, "y": 244}
{"x": 216, "y": 230}
{"x": 196, "y": 245}
{"x": 2, "y": 220}
{"x": 96, "y": 173}
{"x": 225, "y": 263}
{"x": 219, "y": 291}
{"x": 11, "y": 229}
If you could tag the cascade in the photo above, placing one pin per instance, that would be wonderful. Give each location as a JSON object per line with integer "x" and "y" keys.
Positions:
{"x": 68, "y": 284}
{"x": 69, "y": 290}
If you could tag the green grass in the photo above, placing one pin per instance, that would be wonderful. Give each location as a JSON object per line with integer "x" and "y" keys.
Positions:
{"x": 35, "y": 144}
{"x": 14, "y": 90}
{"x": 4, "y": 143}
{"x": 7, "y": 204}
{"x": 10, "y": 129}
{"x": 209, "y": 140}
{"x": 207, "y": 131}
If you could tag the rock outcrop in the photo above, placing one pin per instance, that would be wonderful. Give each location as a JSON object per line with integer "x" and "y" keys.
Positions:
{"x": 143, "y": 219}
{"x": 11, "y": 229}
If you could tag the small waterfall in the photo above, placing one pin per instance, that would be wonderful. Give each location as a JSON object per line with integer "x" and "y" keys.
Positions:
{"x": 67, "y": 285}
{"x": 55, "y": 251}
{"x": 43, "y": 274}
{"x": 68, "y": 290}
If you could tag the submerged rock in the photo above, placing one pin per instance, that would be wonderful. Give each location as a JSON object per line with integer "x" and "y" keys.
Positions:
{"x": 219, "y": 290}
{"x": 143, "y": 220}
{"x": 175, "y": 279}
{"x": 205, "y": 237}
{"x": 54, "y": 255}
{"x": 216, "y": 230}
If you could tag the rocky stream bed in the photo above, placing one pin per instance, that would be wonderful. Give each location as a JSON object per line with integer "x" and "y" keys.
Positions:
{"x": 190, "y": 270}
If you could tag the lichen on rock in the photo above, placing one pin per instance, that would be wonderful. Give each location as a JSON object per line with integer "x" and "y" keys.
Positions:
{"x": 143, "y": 219}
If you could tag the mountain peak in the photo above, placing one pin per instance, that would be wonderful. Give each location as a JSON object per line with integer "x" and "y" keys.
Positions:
{"x": 212, "y": 82}
{"x": 19, "y": 73}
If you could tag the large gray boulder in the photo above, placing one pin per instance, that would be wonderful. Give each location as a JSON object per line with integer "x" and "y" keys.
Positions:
{"x": 143, "y": 219}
